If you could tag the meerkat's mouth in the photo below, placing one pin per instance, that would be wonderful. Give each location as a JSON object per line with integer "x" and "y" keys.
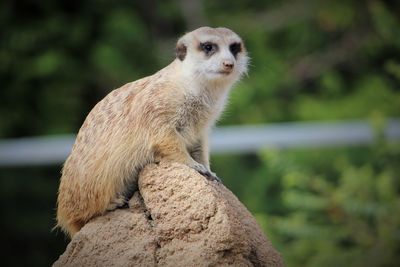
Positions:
{"x": 224, "y": 72}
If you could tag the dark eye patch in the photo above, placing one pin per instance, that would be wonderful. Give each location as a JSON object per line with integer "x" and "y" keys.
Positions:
{"x": 235, "y": 48}
{"x": 208, "y": 48}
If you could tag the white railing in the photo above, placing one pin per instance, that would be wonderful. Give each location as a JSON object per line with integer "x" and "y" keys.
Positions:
{"x": 233, "y": 139}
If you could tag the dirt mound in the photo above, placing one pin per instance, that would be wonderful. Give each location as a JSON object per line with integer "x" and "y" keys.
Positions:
{"x": 178, "y": 219}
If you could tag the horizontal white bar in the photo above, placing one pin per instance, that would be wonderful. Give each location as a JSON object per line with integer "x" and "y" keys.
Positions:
{"x": 241, "y": 139}
{"x": 233, "y": 139}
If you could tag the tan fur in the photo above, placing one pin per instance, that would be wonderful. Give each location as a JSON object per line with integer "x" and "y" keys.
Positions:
{"x": 166, "y": 116}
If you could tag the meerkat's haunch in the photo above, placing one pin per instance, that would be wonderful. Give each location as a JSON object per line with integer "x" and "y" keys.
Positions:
{"x": 163, "y": 117}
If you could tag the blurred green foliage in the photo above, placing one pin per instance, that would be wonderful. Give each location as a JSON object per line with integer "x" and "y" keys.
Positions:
{"x": 329, "y": 207}
{"x": 311, "y": 60}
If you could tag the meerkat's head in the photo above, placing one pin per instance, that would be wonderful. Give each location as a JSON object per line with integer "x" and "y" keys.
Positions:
{"x": 215, "y": 55}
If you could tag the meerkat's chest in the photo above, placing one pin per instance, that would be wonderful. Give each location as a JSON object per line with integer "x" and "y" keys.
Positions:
{"x": 194, "y": 114}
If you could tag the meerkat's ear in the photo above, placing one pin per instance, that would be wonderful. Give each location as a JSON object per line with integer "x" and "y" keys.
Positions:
{"x": 180, "y": 50}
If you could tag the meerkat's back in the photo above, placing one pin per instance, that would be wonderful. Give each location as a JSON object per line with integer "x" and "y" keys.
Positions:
{"x": 103, "y": 149}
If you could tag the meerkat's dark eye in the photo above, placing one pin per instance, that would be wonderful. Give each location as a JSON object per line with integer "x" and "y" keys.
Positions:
{"x": 208, "y": 47}
{"x": 235, "y": 48}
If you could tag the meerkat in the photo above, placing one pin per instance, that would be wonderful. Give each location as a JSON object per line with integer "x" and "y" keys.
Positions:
{"x": 163, "y": 117}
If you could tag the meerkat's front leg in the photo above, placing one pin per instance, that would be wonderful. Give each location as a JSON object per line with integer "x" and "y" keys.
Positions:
{"x": 200, "y": 153}
{"x": 173, "y": 148}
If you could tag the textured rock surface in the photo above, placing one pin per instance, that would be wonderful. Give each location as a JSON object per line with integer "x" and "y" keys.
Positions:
{"x": 178, "y": 219}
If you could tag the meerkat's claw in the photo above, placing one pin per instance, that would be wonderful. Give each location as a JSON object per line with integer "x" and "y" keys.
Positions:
{"x": 211, "y": 176}
{"x": 214, "y": 177}
{"x": 125, "y": 205}
{"x": 118, "y": 203}
{"x": 201, "y": 169}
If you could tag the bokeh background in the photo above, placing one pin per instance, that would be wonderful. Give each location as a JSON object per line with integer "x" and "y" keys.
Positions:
{"x": 311, "y": 61}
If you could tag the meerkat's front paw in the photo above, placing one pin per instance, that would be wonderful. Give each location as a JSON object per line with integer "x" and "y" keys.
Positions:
{"x": 203, "y": 170}
{"x": 118, "y": 203}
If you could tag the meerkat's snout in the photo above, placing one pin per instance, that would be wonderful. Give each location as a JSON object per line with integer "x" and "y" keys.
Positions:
{"x": 228, "y": 66}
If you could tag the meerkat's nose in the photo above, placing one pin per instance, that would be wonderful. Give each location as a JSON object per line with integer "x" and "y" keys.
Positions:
{"x": 228, "y": 65}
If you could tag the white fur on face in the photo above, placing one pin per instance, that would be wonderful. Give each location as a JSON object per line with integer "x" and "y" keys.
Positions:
{"x": 210, "y": 68}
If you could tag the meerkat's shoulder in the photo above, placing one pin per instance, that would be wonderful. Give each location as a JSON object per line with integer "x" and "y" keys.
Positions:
{"x": 161, "y": 77}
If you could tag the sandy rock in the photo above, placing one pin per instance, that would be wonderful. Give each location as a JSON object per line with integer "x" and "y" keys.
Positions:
{"x": 178, "y": 219}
